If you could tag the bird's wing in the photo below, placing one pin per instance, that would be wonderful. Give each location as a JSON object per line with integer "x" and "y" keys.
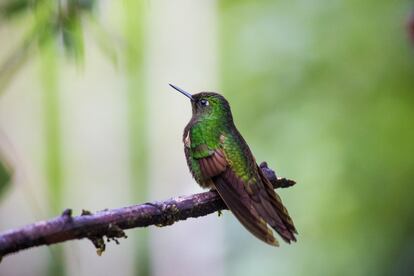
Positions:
{"x": 254, "y": 202}
{"x": 232, "y": 190}
{"x": 214, "y": 166}
{"x": 274, "y": 211}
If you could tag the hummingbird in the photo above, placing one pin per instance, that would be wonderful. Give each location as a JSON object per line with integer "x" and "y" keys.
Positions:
{"x": 220, "y": 159}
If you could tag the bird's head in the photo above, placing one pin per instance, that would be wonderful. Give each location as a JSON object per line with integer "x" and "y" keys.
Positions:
{"x": 208, "y": 105}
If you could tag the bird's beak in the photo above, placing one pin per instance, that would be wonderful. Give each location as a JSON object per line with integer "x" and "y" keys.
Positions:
{"x": 185, "y": 93}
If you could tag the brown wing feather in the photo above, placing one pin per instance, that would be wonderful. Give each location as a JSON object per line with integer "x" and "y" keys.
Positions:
{"x": 213, "y": 165}
{"x": 270, "y": 207}
{"x": 239, "y": 203}
{"x": 254, "y": 205}
{"x": 275, "y": 201}
{"x": 231, "y": 190}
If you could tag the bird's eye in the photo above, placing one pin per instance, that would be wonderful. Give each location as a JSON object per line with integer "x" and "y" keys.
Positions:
{"x": 203, "y": 102}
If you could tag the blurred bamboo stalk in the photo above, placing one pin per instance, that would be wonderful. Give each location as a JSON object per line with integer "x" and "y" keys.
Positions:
{"x": 53, "y": 159}
{"x": 133, "y": 28}
{"x": 49, "y": 75}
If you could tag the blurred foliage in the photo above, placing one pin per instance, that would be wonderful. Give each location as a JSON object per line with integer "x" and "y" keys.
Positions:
{"x": 58, "y": 26}
{"x": 5, "y": 177}
{"x": 53, "y": 24}
{"x": 54, "y": 18}
{"x": 410, "y": 26}
{"x": 59, "y": 20}
{"x": 328, "y": 87}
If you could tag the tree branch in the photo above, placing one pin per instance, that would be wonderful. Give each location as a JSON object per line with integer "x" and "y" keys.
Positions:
{"x": 111, "y": 223}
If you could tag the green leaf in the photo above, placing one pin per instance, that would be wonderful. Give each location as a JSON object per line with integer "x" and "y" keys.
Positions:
{"x": 103, "y": 40}
{"x": 72, "y": 32}
{"x": 85, "y": 5}
{"x": 13, "y": 8}
{"x": 5, "y": 177}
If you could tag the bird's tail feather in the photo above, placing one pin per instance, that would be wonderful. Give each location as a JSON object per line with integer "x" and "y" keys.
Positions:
{"x": 256, "y": 207}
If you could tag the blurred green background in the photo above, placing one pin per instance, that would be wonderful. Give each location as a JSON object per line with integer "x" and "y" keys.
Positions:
{"x": 321, "y": 90}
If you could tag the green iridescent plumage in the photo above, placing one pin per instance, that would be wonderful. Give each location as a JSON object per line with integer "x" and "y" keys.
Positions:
{"x": 219, "y": 158}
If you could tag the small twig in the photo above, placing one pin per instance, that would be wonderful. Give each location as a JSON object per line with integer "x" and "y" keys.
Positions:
{"x": 111, "y": 223}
